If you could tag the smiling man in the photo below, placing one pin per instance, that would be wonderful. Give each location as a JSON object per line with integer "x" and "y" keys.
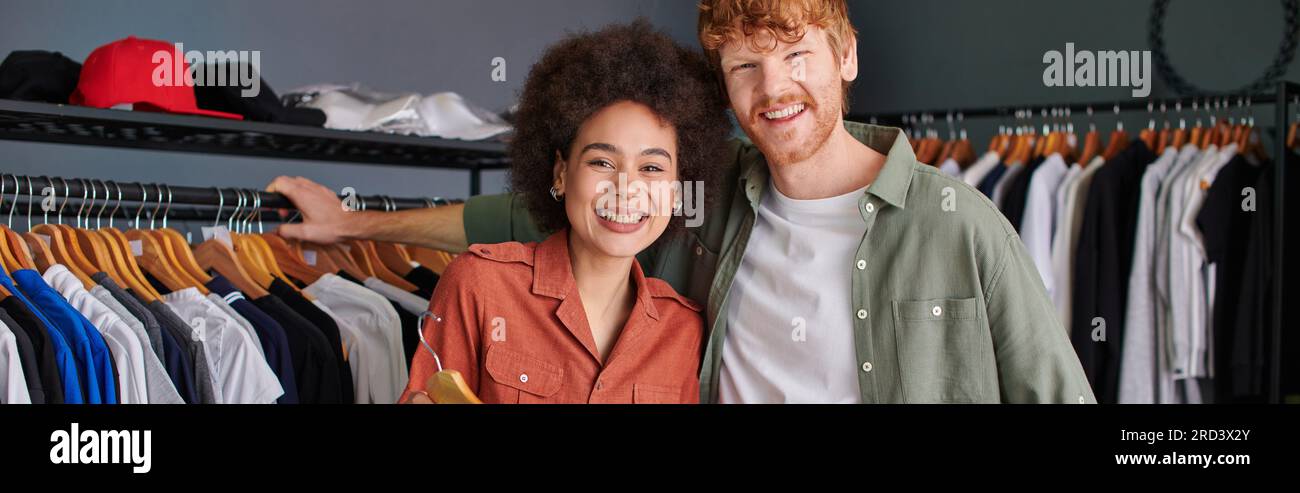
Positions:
{"x": 833, "y": 266}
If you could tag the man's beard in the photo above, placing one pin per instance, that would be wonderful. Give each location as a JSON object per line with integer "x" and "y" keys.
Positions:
{"x": 824, "y": 114}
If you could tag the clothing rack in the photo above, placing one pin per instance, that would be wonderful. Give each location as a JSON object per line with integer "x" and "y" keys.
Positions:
{"x": 1280, "y": 98}
{"x": 147, "y": 200}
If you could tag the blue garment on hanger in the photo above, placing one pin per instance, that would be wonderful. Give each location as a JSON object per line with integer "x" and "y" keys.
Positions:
{"x": 93, "y": 359}
{"x": 63, "y": 354}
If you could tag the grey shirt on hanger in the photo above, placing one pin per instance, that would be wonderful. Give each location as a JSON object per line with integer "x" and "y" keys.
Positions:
{"x": 182, "y": 331}
{"x": 151, "y": 327}
{"x": 158, "y": 385}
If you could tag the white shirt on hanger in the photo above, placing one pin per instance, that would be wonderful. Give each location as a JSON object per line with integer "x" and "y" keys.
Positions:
{"x": 220, "y": 302}
{"x": 378, "y": 323}
{"x": 978, "y": 170}
{"x": 1195, "y": 266}
{"x": 362, "y": 358}
{"x": 1171, "y": 278}
{"x": 242, "y": 375}
{"x": 408, "y": 301}
{"x": 1065, "y": 246}
{"x": 951, "y": 168}
{"x": 1038, "y": 223}
{"x": 1142, "y": 377}
{"x": 13, "y": 382}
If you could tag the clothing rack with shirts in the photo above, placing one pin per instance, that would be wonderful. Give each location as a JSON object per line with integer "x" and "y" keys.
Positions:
{"x": 203, "y": 202}
{"x": 1168, "y": 245}
{"x": 126, "y": 309}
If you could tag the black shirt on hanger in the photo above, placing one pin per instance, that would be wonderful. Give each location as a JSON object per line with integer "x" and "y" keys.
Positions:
{"x": 327, "y": 327}
{"x": 1102, "y": 263}
{"x": 1224, "y": 224}
{"x": 46, "y": 364}
{"x": 1017, "y": 192}
{"x": 1252, "y": 341}
{"x": 26, "y": 359}
{"x": 315, "y": 369}
{"x": 424, "y": 279}
{"x": 275, "y": 345}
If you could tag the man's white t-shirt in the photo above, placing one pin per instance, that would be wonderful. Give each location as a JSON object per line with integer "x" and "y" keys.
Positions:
{"x": 790, "y": 317}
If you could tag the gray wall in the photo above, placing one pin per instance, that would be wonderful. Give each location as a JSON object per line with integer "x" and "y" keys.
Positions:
{"x": 423, "y": 46}
{"x": 940, "y": 54}
{"x": 915, "y": 54}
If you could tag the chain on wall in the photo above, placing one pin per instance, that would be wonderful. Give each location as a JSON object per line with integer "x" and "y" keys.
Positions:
{"x": 1180, "y": 85}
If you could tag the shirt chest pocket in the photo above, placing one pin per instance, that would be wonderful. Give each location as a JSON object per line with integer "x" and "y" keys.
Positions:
{"x": 944, "y": 351}
{"x": 516, "y": 377}
{"x": 704, "y": 264}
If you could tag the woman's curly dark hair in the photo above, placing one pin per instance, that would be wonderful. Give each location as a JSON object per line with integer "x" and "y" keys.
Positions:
{"x": 586, "y": 72}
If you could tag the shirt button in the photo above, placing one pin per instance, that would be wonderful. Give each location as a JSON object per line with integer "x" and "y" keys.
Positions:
{"x": 866, "y": 366}
{"x": 870, "y": 207}
{"x": 862, "y": 314}
{"x": 699, "y": 250}
{"x": 862, "y": 264}
{"x": 1082, "y": 400}
{"x": 936, "y": 310}
{"x": 523, "y": 378}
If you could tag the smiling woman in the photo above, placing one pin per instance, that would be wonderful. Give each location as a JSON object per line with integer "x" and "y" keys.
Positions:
{"x": 610, "y": 124}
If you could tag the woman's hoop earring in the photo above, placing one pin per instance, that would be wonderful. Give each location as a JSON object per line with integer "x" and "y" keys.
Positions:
{"x": 555, "y": 194}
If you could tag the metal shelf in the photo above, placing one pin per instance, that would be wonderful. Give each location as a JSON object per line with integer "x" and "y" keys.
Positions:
{"x": 69, "y": 124}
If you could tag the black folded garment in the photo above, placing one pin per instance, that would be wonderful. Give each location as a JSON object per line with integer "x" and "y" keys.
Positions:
{"x": 263, "y": 107}
{"x": 34, "y": 75}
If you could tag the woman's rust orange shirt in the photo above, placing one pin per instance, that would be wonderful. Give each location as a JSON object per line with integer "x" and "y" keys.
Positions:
{"x": 509, "y": 319}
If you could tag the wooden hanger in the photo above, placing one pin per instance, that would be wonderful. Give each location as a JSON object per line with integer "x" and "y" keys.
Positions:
{"x": 153, "y": 255}
{"x": 383, "y": 272}
{"x": 68, "y": 252}
{"x": 215, "y": 255}
{"x": 292, "y": 263}
{"x": 18, "y": 247}
{"x": 446, "y": 386}
{"x": 167, "y": 252}
{"x": 1115, "y": 144}
{"x": 120, "y": 248}
{"x": 393, "y": 258}
{"x": 101, "y": 254}
{"x": 428, "y": 258}
{"x": 1091, "y": 146}
{"x": 339, "y": 254}
{"x": 118, "y": 255}
{"x": 263, "y": 250}
{"x": 41, "y": 254}
{"x": 6, "y": 255}
{"x": 178, "y": 249}
{"x": 322, "y": 261}
{"x": 64, "y": 246}
{"x": 154, "y": 259}
{"x": 134, "y": 276}
{"x": 357, "y": 253}
{"x": 184, "y": 256}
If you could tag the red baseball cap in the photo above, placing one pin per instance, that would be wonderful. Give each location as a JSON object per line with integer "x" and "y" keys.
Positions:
{"x": 122, "y": 72}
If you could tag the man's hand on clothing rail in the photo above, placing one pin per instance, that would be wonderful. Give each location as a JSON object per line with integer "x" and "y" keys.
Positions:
{"x": 325, "y": 221}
